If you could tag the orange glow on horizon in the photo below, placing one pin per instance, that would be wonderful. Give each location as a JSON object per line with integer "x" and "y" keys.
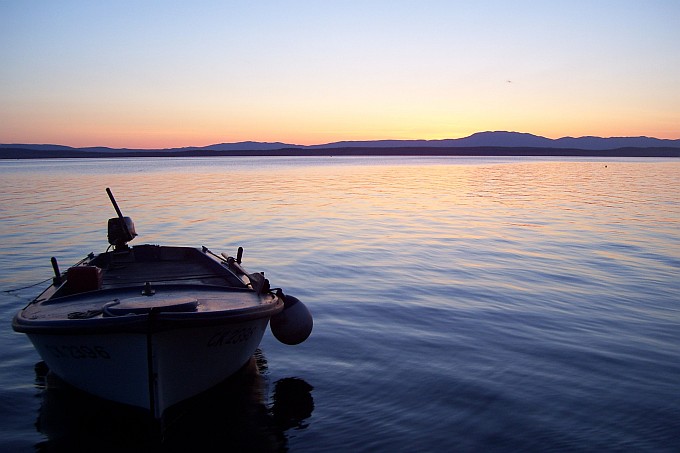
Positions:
{"x": 161, "y": 139}
{"x": 190, "y": 125}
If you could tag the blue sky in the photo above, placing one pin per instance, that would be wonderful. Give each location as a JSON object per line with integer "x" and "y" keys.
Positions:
{"x": 160, "y": 74}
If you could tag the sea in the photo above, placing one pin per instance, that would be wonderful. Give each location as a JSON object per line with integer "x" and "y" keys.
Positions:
{"x": 460, "y": 304}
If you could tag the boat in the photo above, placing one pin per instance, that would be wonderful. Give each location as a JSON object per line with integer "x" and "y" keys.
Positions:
{"x": 151, "y": 326}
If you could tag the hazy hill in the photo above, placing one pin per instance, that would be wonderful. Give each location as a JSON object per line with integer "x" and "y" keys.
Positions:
{"x": 481, "y": 143}
{"x": 516, "y": 140}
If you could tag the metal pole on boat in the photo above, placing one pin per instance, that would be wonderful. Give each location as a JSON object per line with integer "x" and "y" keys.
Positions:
{"x": 113, "y": 201}
{"x": 57, "y": 274}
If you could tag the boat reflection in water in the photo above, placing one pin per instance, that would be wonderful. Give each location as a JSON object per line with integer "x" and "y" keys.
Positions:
{"x": 233, "y": 416}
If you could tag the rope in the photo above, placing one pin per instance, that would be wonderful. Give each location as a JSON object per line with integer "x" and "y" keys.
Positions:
{"x": 9, "y": 291}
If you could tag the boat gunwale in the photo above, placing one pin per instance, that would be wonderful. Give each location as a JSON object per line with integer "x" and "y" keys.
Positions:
{"x": 155, "y": 320}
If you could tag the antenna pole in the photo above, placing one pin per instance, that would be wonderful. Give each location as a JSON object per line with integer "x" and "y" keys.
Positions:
{"x": 115, "y": 205}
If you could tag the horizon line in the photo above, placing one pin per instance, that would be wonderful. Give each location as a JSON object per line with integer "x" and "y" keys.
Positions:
{"x": 287, "y": 144}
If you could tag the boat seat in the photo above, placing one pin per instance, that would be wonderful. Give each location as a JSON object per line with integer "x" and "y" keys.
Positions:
{"x": 145, "y": 304}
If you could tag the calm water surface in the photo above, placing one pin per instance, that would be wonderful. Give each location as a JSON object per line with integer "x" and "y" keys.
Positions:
{"x": 459, "y": 304}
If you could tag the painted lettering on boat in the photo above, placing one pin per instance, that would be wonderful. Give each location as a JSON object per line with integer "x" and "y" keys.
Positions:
{"x": 78, "y": 352}
{"x": 232, "y": 336}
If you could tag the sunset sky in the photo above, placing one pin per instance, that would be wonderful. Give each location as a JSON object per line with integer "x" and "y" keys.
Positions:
{"x": 156, "y": 74}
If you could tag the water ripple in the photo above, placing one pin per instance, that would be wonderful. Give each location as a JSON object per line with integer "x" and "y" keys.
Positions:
{"x": 459, "y": 304}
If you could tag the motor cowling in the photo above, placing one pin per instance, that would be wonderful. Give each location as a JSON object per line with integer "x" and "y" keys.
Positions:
{"x": 118, "y": 234}
{"x": 294, "y": 324}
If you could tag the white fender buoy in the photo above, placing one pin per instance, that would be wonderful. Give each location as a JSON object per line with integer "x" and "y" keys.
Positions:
{"x": 294, "y": 324}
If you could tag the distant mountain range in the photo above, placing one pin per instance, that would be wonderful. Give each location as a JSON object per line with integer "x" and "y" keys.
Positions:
{"x": 481, "y": 143}
{"x": 518, "y": 140}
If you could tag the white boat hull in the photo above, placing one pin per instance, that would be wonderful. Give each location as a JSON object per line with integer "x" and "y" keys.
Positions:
{"x": 151, "y": 371}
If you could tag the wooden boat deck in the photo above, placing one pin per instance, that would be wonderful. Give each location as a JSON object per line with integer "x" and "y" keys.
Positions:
{"x": 162, "y": 265}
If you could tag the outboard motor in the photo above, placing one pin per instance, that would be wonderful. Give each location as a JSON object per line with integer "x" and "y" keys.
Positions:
{"x": 121, "y": 230}
{"x": 294, "y": 324}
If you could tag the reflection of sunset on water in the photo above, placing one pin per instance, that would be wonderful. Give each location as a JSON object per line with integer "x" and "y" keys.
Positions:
{"x": 451, "y": 296}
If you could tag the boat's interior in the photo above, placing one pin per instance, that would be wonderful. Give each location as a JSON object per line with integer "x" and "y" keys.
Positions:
{"x": 154, "y": 264}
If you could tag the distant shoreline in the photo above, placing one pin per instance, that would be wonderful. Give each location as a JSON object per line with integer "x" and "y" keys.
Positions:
{"x": 484, "y": 151}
